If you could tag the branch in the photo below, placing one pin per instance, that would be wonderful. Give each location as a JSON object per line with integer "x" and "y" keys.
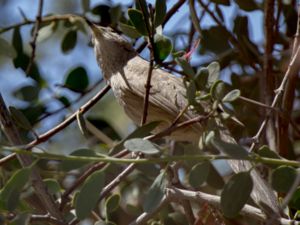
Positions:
{"x": 247, "y": 210}
{"x": 45, "y": 136}
{"x": 12, "y": 134}
{"x": 35, "y": 35}
{"x": 267, "y": 81}
{"x": 293, "y": 68}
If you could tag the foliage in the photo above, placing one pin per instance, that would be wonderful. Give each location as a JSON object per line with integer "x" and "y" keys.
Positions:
{"x": 231, "y": 79}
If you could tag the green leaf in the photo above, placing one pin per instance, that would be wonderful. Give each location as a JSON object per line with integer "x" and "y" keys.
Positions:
{"x": 214, "y": 179}
{"x": 249, "y": 5}
{"x": 112, "y": 203}
{"x": 232, "y": 96}
{"x": 10, "y": 193}
{"x": 222, "y": 2}
{"x": 155, "y": 193}
{"x": 77, "y": 80}
{"x": 233, "y": 150}
{"x": 6, "y": 49}
{"x": 214, "y": 73}
{"x": 28, "y": 93}
{"x": 160, "y": 12}
{"x": 191, "y": 93}
{"x": 198, "y": 174}
{"x": 283, "y": 178}
{"x": 128, "y": 30}
{"x": 141, "y": 145}
{"x": 17, "y": 41}
{"x": 88, "y": 196}
{"x": 52, "y": 186}
{"x": 137, "y": 19}
{"x": 67, "y": 165}
{"x": 69, "y": 41}
{"x": 217, "y": 90}
{"x": 46, "y": 31}
{"x": 236, "y": 193}
{"x": 187, "y": 68}
{"x": 162, "y": 47}
{"x": 20, "y": 118}
{"x": 138, "y": 133}
{"x": 201, "y": 78}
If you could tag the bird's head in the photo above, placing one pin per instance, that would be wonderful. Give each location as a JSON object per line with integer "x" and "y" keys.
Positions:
{"x": 111, "y": 49}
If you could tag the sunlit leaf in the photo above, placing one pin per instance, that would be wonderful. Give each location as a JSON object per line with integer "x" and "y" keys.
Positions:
{"x": 232, "y": 96}
{"x": 141, "y": 145}
{"x": 214, "y": 72}
{"x": 162, "y": 47}
{"x": 128, "y": 30}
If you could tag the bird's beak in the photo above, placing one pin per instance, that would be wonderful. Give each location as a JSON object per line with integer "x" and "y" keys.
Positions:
{"x": 93, "y": 26}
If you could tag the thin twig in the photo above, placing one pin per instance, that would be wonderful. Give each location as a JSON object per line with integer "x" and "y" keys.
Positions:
{"x": 44, "y": 20}
{"x": 45, "y": 136}
{"x": 45, "y": 219}
{"x": 267, "y": 81}
{"x": 35, "y": 35}
{"x": 292, "y": 68}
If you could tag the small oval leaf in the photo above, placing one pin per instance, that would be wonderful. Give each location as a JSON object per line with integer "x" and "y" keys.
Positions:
{"x": 236, "y": 193}
{"x": 283, "y": 178}
{"x": 128, "y": 30}
{"x": 214, "y": 73}
{"x": 199, "y": 174}
{"x": 232, "y": 96}
{"x": 77, "y": 80}
{"x": 137, "y": 19}
{"x": 88, "y": 196}
{"x": 112, "y": 203}
{"x": 69, "y": 41}
{"x": 155, "y": 193}
{"x": 141, "y": 145}
{"x": 162, "y": 47}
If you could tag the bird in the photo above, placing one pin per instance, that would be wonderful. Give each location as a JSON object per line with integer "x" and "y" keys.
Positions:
{"x": 126, "y": 72}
